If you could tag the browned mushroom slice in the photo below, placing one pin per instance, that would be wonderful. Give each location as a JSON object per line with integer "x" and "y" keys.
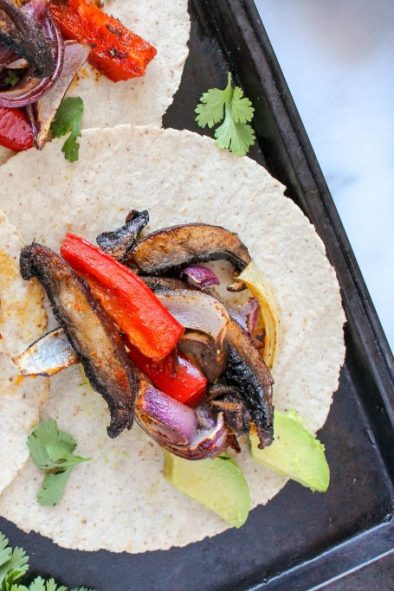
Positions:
{"x": 235, "y": 415}
{"x": 197, "y": 311}
{"x": 247, "y": 372}
{"x": 91, "y": 332}
{"x": 120, "y": 241}
{"x": 204, "y": 352}
{"x": 177, "y": 247}
{"x": 164, "y": 283}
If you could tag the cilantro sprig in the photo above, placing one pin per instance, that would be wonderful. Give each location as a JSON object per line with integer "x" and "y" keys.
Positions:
{"x": 14, "y": 564}
{"x": 235, "y": 110}
{"x": 52, "y": 451}
{"x": 68, "y": 120}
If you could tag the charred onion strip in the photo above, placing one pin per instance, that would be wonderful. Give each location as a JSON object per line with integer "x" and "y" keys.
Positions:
{"x": 48, "y": 355}
{"x": 177, "y": 247}
{"x": 91, "y": 332}
{"x": 120, "y": 241}
{"x": 247, "y": 372}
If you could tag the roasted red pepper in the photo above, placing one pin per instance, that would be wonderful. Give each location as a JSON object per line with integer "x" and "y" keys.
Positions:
{"x": 116, "y": 51}
{"x": 15, "y": 130}
{"x": 134, "y": 307}
{"x": 174, "y": 375}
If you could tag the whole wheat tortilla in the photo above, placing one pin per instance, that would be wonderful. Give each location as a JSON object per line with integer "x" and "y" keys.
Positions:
{"x": 119, "y": 500}
{"x": 22, "y": 319}
{"x": 140, "y": 101}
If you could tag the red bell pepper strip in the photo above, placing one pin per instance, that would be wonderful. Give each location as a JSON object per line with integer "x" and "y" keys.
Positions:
{"x": 174, "y": 375}
{"x": 116, "y": 51}
{"x": 15, "y": 130}
{"x": 131, "y": 304}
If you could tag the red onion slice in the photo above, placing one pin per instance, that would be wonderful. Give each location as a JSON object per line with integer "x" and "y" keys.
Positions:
{"x": 247, "y": 315}
{"x": 175, "y": 426}
{"x": 35, "y": 10}
{"x": 206, "y": 443}
{"x": 200, "y": 276}
{"x": 197, "y": 310}
{"x": 30, "y": 112}
{"x": 75, "y": 55}
{"x": 31, "y": 88}
{"x": 165, "y": 419}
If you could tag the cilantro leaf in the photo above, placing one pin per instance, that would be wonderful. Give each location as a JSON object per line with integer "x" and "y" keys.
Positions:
{"x": 14, "y": 564}
{"x": 237, "y": 137}
{"x": 235, "y": 133}
{"x": 39, "y": 584}
{"x": 52, "y": 451}
{"x": 241, "y": 107}
{"x": 210, "y": 111}
{"x": 52, "y": 488}
{"x": 68, "y": 120}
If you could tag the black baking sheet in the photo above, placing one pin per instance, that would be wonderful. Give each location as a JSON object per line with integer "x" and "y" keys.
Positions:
{"x": 300, "y": 540}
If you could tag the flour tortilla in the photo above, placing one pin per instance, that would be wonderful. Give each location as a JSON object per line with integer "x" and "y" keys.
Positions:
{"x": 119, "y": 500}
{"x": 22, "y": 319}
{"x": 140, "y": 101}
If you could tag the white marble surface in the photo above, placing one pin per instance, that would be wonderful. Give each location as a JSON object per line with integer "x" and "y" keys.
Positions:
{"x": 338, "y": 59}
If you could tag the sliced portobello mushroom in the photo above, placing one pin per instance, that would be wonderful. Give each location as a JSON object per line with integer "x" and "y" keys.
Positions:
{"x": 120, "y": 241}
{"x": 246, "y": 371}
{"x": 90, "y": 331}
{"x": 172, "y": 249}
{"x": 203, "y": 351}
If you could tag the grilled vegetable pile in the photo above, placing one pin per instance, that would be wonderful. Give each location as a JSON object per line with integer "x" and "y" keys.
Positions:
{"x": 156, "y": 337}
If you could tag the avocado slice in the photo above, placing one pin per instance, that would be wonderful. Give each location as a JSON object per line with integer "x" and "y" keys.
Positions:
{"x": 217, "y": 483}
{"x": 295, "y": 452}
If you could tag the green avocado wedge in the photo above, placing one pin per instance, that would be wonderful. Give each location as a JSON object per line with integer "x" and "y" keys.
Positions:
{"x": 218, "y": 484}
{"x": 295, "y": 452}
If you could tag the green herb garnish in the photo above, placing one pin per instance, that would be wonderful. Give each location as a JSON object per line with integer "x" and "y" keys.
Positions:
{"x": 235, "y": 133}
{"x": 52, "y": 451}
{"x": 68, "y": 120}
{"x": 14, "y": 564}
